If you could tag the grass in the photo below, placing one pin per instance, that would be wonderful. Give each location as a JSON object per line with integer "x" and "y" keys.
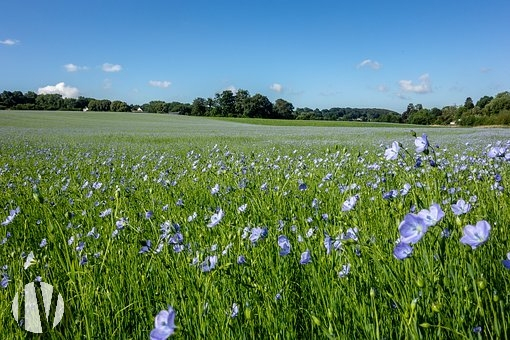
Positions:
{"x": 94, "y": 177}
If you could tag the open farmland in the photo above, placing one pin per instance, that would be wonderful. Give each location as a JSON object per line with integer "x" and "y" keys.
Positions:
{"x": 255, "y": 231}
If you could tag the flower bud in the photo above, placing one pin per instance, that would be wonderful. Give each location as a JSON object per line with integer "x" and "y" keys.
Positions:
{"x": 413, "y": 304}
{"x": 420, "y": 282}
{"x": 481, "y": 283}
{"x": 436, "y": 307}
{"x": 425, "y": 325}
{"x": 247, "y": 313}
{"x": 372, "y": 293}
{"x": 316, "y": 320}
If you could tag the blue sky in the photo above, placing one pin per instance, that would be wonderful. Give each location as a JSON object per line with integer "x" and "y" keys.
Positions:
{"x": 319, "y": 54}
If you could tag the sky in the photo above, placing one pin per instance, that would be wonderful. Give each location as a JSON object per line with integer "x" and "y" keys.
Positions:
{"x": 320, "y": 54}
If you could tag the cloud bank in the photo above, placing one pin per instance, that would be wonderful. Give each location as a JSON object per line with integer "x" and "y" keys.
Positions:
{"x": 107, "y": 67}
{"x": 423, "y": 86}
{"x": 374, "y": 65}
{"x": 60, "y": 88}
{"x": 160, "y": 83}
{"x": 276, "y": 87}
{"x": 9, "y": 42}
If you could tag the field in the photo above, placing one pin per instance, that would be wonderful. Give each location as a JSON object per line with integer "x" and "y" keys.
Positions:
{"x": 254, "y": 231}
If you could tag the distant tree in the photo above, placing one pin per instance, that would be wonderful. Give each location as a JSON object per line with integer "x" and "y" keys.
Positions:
{"x": 499, "y": 103}
{"x": 49, "y": 102}
{"x": 482, "y": 102}
{"x": 283, "y": 109}
{"x": 119, "y": 106}
{"x": 242, "y": 100}
{"x": 199, "y": 107}
{"x": 260, "y": 107}
{"x": 226, "y": 103}
{"x": 468, "y": 104}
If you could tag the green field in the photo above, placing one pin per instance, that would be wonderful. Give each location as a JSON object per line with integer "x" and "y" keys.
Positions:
{"x": 217, "y": 198}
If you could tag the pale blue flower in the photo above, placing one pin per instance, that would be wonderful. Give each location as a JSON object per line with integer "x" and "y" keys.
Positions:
{"x": 402, "y": 251}
{"x": 346, "y": 269}
{"x": 164, "y": 325}
{"x": 306, "y": 257}
{"x": 431, "y": 216}
{"x": 412, "y": 228}
{"x": 209, "y": 263}
{"x": 461, "y": 207}
{"x": 257, "y": 234}
{"x": 421, "y": 143}
{"x": 476, "y": 235}
{"x": 284, "y": 244}
{"x": 350, "y": 203}
{"x": 235, "y": 310}
{"x": 506, "y": 263}
{"x": 216, "y": 218}
{"x": 392, "y": 152}
{"x": 12, "y": 215}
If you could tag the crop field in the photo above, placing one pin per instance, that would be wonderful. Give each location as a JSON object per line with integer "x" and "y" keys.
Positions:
{"x": 156, "y": 226}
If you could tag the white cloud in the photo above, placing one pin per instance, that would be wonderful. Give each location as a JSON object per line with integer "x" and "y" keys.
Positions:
{"x": 276, "y": 87}
{"x": 422, "y": 87}
{"x": 160, "y": 83}
{"x": 9, "y": 42}
{"x": 74, "y": 68}
{"x": 107, "y": 67}
{"x": 370, "y": 63}
{"x": 60, "y": 88}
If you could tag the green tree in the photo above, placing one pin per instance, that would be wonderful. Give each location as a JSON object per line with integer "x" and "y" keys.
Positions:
{"x": 199, "y": 107}
{"x": 468, "y": 104}
{"x": 226, "y": 103}
{"x": 482, "y": 102}
{"x": 283, "y": 109}
{"x": 242, "y": 100}
{"x": 119, "y": 106}
{"x": 260, "y": 107}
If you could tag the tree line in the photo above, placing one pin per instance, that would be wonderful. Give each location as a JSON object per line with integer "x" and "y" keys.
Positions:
{"x": 486, "y": 111}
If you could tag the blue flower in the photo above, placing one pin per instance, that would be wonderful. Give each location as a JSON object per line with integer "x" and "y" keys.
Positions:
{"x": 241, "y": 259}
{"x": 391, "y": 153}
{"x": 216, "y": 218}
{"x": 11, "y": 216}
{"x": 346, "y": 269}
{"x": 43, "y": 243}
{"x": 306, "y": 257}
{"x": 257, "y": 233}
{"x": 402, "y": 251}
{"x": 477, "y": 235}
{"x": 146, "y": 246}
{"x": 164, "y": 325}
{"x": 461, "y": 207}
{"x": 412, "y": 228}
{"x": 284, "y": 244}
{"x": 235, "y": 310}
{"x": 506, "y": 263}
{"x": 421, "y": 143}
{"x": 209, "y": 263}
{"x": 350, "y": 203}
{"x": 5, "y": 281}
{"x": 431, "y": 216}
{"x": 84, "y": 260}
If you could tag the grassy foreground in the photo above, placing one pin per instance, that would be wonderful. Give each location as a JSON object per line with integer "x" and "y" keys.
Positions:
{"x": 250, "y": 231}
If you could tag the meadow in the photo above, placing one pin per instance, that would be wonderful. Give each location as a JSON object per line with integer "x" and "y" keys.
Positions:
{"x": 199, "y": 228}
